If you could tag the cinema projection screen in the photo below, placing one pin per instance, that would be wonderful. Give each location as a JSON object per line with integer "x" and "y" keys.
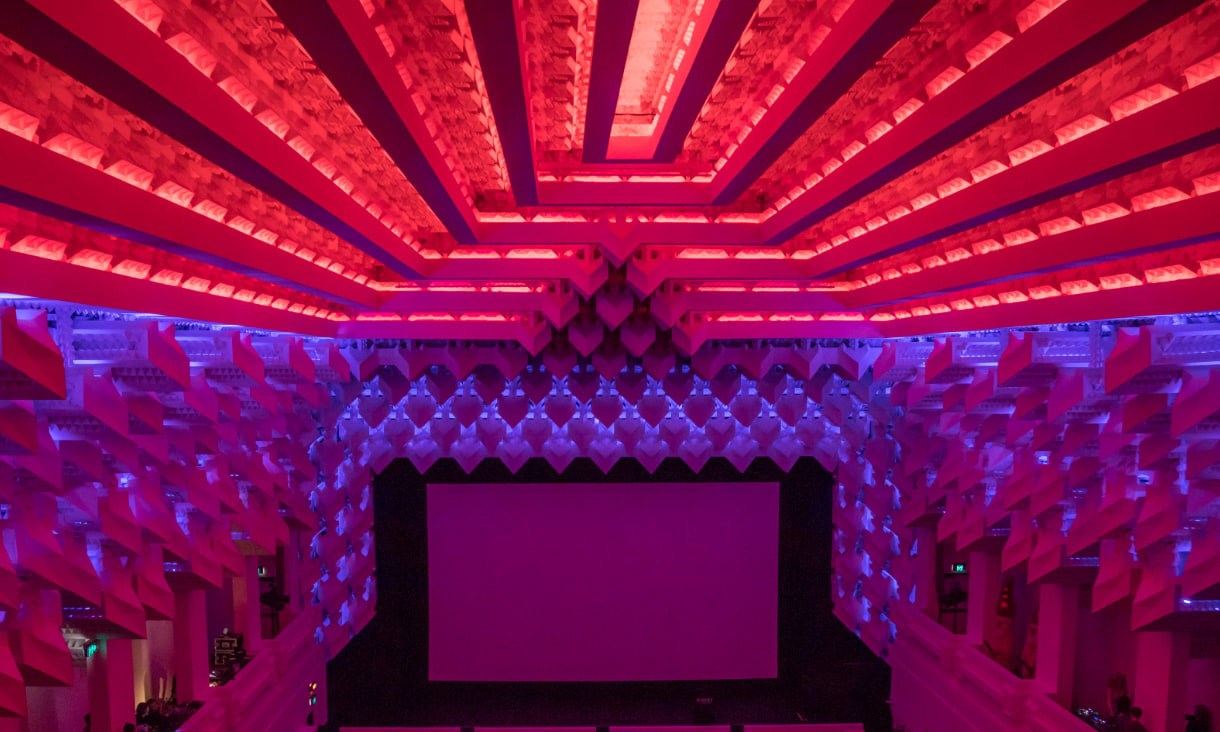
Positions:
{"x": 602, "y": 582}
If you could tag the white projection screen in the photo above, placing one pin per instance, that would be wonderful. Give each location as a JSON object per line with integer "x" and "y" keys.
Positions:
{"x": 602, "y": 582}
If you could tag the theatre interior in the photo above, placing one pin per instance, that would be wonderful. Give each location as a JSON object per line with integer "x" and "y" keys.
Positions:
{"x": 609, "y": 365}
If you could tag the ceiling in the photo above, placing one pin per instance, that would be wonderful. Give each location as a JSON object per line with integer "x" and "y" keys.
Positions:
{"x": 621, "y": 176}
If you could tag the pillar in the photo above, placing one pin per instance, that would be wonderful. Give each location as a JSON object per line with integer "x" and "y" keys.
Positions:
{"x": 254, "y": 608}
{"x": 160, "y": 655}
{"x": 247, "y": 611}
{"x": 1058, "y": 613}
{"x": 191, "y": 644}
{"x": 292, "y": 574}
{"x": 142, "y": 680}
{"x": 1161, "y": 660}
{"x": 926, "y": 569}
{"x": 112, "y": 700}
{"x": 984, "y": 589}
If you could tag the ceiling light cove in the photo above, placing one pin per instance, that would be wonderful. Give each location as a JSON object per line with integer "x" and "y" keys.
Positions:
{"x": 613, "y": 175}
{"x": 664, "y": 41}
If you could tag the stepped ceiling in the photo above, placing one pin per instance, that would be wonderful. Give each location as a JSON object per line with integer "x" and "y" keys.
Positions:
{"x": 618, "y": 175}
{"x": 252, "y": 252}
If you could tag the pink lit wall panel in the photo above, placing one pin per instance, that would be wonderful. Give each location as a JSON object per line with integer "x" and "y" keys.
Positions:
{"x": 602, "y": 582}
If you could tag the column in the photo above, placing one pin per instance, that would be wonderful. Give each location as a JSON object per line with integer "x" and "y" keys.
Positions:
{"x": 191, "y": 644}
{"x": 254, "y": 608}
{"x": 1160, "y": 679}
{"x": 292, "y": 574}
{"x": 926, "y": 569}
{"x": 247, "y": 611}
{"x": 112, "y": 700}
{"x": 1058, "y": 613}
{"x": 160, "y": 655}
{"x": 984, "y": 589}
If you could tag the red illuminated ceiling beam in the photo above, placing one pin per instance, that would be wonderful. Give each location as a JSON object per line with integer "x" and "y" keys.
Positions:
{"x": 1178, "y": 224}
{"x": 1075, "y": 36}
{"x": 1166, "y": 298}
{"x": 1182, "y": 296}
{"x": 861, "y": 37}
{"x": 652, "y": 266}
{"x": 528, "y": 329}
{"x": 37, "y": 179}
{"x": 106, "y": 48}
{"x": 555, "y": 302}
{"x": 23, "y": 274}
{"x": 867, "y": 30}
{"x": 679, "y": 297}
{"x": 373, "y": 90}
{"x": 611, "y": 40}
{"x": 1069, "y": 40}
{"x": 579, "y": 264}
{"x": 412, "y": 162}
{"x": 619, "y": 238}
{"x": 1175, "y": 127}
{"x": 497, "y": 38}
{"x": 715, "y": 39}
{"x": 617, "y": 193}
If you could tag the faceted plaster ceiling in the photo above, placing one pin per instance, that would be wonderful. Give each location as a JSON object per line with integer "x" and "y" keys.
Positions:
{"x": 620, "y": 175}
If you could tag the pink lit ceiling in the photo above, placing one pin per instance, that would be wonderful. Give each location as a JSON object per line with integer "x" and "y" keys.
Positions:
{"x": 562, "y": 229}
{"x": 628, "y": 175}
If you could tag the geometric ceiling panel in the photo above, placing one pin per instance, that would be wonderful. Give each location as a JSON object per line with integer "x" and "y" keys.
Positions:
{"x": 598, "y": 174}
